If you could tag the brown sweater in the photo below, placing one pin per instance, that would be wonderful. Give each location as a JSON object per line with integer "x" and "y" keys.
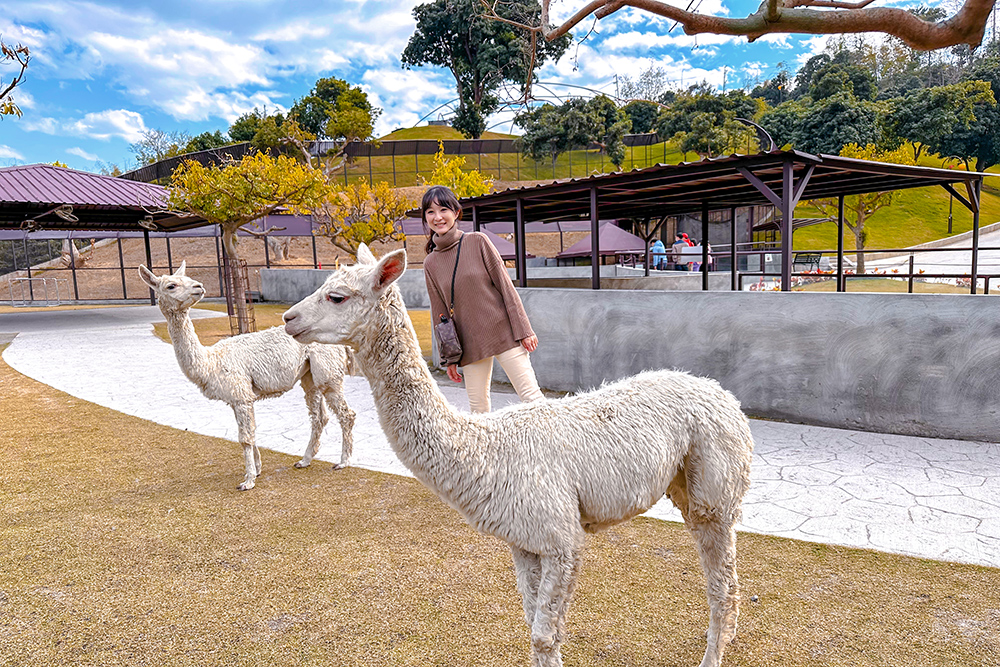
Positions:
{"x": 489, "y": 316}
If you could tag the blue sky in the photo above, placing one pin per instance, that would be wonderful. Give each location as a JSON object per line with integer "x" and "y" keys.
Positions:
{"x": 102, "y": 72}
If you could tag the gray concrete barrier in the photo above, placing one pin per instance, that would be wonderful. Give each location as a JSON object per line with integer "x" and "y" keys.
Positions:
{"x": 913, "y": 364}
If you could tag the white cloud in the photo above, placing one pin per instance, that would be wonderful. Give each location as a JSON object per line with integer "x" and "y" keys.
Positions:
{"x": 39, "y": 124}
{"x": 406, "y": 95}
{"x": 79, "y": 152}
{"x": 104, "y": 125}
{"x": 8, "y": 152}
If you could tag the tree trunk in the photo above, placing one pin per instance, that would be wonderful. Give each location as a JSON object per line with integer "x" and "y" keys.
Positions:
{"x": 236, "y": 298}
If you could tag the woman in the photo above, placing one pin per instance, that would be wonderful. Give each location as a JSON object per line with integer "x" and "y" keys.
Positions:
{"x": 489, "y": 316}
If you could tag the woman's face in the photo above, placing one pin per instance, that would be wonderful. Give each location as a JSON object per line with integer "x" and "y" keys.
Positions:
{"x": 439, "y": 218}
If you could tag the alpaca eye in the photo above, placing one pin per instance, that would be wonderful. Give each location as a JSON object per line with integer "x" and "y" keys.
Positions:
{"x": 336, "y": 298}
{"x": 171, "y": 286}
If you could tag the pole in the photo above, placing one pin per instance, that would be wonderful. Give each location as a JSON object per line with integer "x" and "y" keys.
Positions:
{"x": 704, "y": 246}
{"x": 149, "y": 264}
{"x": 315, "y": 258}
{"x": 976, "y": 190}
{"x": 519, "y": 254}
{"x": 170, "y": 260}
{"x": 595, "y": 242}
{"x": 734, "y": 284}
{"x": 786, "y": 226}
{"x": 841, "y": 284}
{"x": 121, "y": 266}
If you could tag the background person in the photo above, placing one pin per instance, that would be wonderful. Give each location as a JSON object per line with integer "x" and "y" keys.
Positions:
{"x": 658, "y": 255}
{"x": 489, "y": 317}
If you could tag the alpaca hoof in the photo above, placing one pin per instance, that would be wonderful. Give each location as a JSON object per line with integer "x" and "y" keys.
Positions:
{"x": 339, "y": 466}
{"x": 245, "y": 486}
{"x": 302, "y": 464}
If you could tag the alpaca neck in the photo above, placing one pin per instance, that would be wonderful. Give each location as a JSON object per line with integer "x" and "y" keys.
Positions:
{"x": 192, "y": 356}
{"x": 418, "y": 421}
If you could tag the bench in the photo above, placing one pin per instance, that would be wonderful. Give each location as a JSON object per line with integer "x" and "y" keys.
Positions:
{"x": 809, "y": 259}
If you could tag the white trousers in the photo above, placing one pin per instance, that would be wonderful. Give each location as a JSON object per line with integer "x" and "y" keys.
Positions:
{"x": 515, "y": 363}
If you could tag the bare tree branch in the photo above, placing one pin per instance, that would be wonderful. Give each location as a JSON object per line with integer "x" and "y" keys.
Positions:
{"x": 788, "y": 16}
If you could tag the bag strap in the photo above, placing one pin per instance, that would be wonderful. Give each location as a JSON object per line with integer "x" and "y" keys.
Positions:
{"x": 458, "y": 254}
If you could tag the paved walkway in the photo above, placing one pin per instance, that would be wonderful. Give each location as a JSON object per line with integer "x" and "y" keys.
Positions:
{"x": 918, "y": 496}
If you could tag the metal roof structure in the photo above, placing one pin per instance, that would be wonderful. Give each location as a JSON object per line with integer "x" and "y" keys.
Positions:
{"x": 43, "y": 196}
{"x": 778, "y": 178}
{"x": 613, "y": 240}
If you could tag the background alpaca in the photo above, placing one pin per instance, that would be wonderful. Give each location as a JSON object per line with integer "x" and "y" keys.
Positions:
{"x": 539, "y": 475}
{"x": 244, "y": 369}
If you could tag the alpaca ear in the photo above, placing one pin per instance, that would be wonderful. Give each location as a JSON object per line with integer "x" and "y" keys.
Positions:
{"x": 365, "y": 255}
{"x": 180, "y": 271}
{"x": 389, "y": 269}
{"x": 148, "y": 277}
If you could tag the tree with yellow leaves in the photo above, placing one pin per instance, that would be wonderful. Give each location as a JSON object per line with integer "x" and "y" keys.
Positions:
{"x": 241, "y": 192}
{"x": 360, "y": 214}
{"x": 463, "y": 183}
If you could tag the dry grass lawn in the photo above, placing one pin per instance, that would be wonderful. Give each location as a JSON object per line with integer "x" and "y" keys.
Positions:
{"x": 126, "y": 543}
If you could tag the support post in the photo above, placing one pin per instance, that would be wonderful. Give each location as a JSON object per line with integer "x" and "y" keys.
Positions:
{"x": 170, "y": 257}
{"x": 149, "y": 264}
{"x": 121, "y": 267}
{"x": 787, "y": 210}
{"x": 595, "y": 241}
{"x": 841, "y": 285}
{"x": 315, "y": 258}
{"x": 704, "y": 246}
{"x": 734, "y": 283}
{"x": 519, "y": 253}
{"x": 975, "y": 190}
{"x": 475, "y": 219}
{"x": 218, "y": 264}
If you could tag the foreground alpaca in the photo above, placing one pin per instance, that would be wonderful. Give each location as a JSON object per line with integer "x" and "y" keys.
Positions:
{"x": 242, "y": 370}
{"x": 538, "y": 475}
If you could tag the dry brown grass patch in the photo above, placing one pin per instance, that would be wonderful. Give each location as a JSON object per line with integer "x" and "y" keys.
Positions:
{"x": 126, "y": 543}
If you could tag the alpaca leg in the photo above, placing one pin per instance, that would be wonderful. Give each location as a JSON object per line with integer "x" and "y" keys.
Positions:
{"x": 528, "y": 570}
{"x": 555, "y": 586}
{"x": 716, "y": 542}
{"x": 317, "y": 419}
{"x": 251, "y": 455}
{"x": 345, "y": 415}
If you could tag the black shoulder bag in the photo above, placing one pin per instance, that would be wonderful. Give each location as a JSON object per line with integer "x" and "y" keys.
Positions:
{"x": 449, "y": 346}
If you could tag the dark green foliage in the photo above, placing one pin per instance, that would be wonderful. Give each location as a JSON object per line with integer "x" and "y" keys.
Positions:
{"x": 205, "y": 141}
{"x": 334, "y": 109}
{"x": 929, "y": 116}
{"x": 245, "y": 127}
{"x": 13, "y": 257}
{"x": 774, "y": 91}
{"x": 642, "y": 114}
{"x": 551, "y": 130}
{"x": 481, "y": 53}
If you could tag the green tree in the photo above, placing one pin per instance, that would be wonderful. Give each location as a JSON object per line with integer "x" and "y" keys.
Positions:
{"x": 928, "y": 117}
{"x": 642, "y": 114}
{"x": 835, "y": 122}
{"x": 245, "y": 127}
{"x": 337, "y": 111}
{"x": 206, "y": 141}
{"x": 980, "y": 139}
{"x": 552, "y": 130}
{"x": 776, "y": 90}
{"x": 239, "y": 193}
{"x": 482, "y": 54}
{"x": 362, "y": 214}
{"x": 858, "y": 209}
{"x": 450, "y": 172}
{"x": 20, "y": 56}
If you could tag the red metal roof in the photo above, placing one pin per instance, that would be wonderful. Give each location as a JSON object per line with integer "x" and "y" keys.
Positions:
{"x": 31, "y": 192}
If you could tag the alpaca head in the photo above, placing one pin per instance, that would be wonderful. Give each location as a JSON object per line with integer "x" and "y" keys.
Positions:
{"x": 174, "y": 293}
{"x": 337, "y": 313}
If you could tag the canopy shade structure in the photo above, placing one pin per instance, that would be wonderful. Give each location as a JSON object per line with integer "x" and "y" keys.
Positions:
{"x": 46, "y": 197}
{"x": 613, "y": 241}
{"x": 777, "y": 178}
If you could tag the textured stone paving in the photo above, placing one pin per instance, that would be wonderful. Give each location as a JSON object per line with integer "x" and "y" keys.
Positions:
{"x": 917, "y": 496}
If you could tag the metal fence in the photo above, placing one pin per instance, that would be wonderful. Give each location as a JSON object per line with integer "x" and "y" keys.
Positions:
{"x": 404, "y": 162}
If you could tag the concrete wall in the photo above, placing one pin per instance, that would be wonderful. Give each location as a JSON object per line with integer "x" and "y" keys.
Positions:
{"x": 293, "y": 285}
{"x": 916, "y": 364}
{"x": 912, "y": 364}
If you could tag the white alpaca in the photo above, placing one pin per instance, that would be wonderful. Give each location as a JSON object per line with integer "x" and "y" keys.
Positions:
{"x": 539, "y": 475}
{"x": 242, "y": 370}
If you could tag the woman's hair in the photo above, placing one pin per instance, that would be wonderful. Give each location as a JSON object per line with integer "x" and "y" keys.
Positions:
{"x": 441, "y": 196}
